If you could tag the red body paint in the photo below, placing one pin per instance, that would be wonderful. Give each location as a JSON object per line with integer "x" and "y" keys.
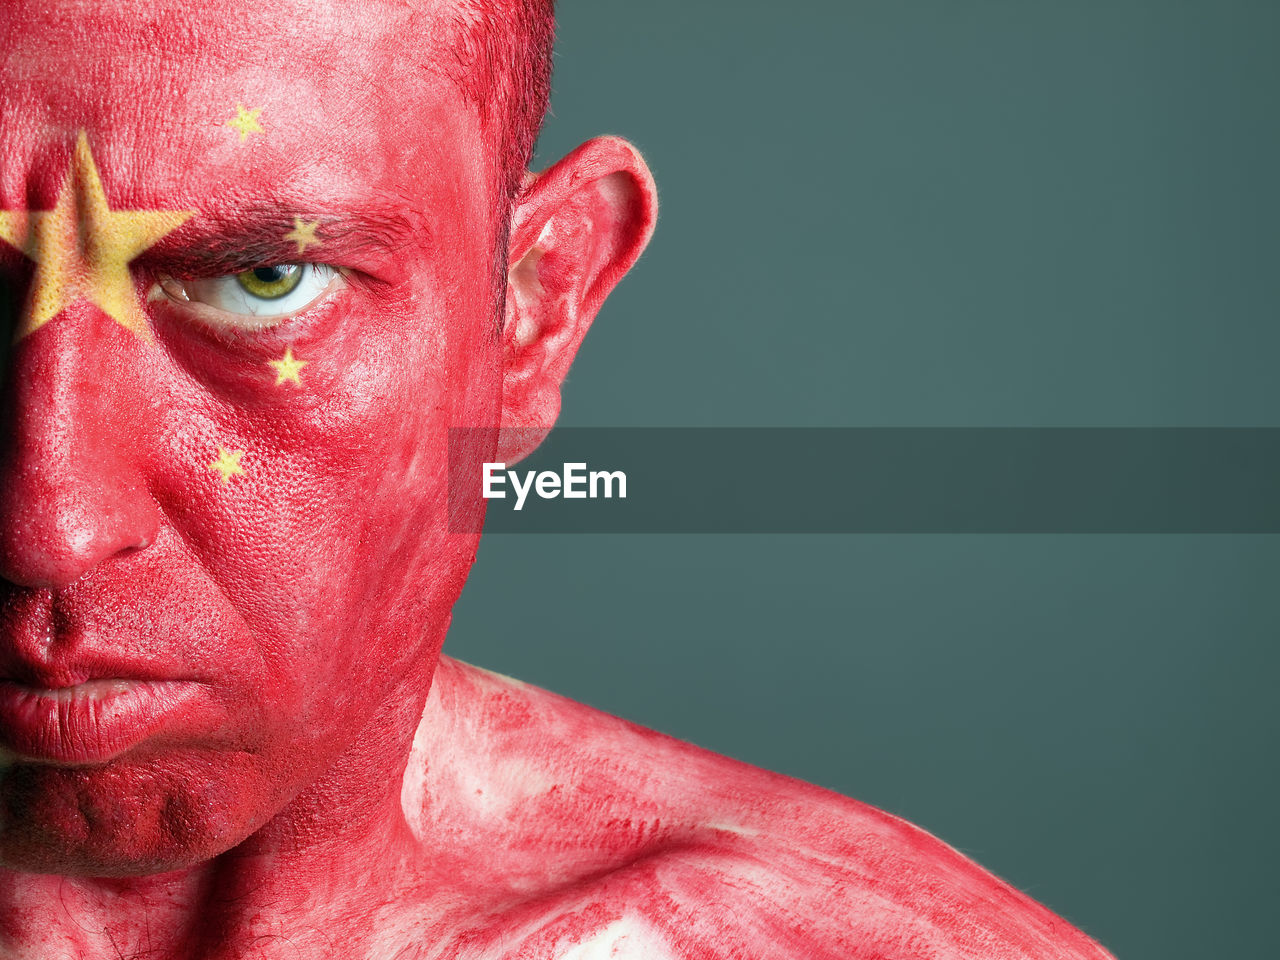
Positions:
{"x": 257, "y": 513}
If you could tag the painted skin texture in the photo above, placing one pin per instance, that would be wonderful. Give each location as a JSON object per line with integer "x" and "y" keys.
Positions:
{"x": 245, "y": 519}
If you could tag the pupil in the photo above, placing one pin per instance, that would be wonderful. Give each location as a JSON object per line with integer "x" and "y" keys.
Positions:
{"x": 270, "y": 274}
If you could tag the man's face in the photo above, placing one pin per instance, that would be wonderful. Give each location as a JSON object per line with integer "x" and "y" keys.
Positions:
{"x": 224, "y": 476}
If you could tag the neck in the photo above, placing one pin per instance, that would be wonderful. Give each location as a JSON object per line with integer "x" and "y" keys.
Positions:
{"x": 320, "y": 879}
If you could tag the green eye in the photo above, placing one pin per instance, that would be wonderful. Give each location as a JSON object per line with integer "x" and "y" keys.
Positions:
{"x": 271, "y": 283}
{"x": 251, "y": 299}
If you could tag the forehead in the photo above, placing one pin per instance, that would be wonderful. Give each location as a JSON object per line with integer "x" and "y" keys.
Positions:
{"x": 298, "y": 98}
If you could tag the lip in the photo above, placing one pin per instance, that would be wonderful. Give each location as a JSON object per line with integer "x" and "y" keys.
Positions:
{"x": 58, "y": 674}
{"x": 89, "y": 722}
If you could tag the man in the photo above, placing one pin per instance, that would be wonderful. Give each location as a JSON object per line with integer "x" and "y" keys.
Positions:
{"x": 257, "y": 262}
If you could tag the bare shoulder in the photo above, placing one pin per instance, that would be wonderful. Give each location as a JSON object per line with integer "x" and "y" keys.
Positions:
{"x": 591, "y": 836}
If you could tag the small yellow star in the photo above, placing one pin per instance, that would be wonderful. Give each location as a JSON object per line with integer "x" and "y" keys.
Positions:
{"x": 228, "y": 464}
{"x": 303, "y": 233}
{"x": 246, "y": 121}
{"x": 287, "y": 367}
{"x": 82, "y": 248}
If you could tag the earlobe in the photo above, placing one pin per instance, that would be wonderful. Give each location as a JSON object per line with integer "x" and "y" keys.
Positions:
{"x": 577, "y": 228}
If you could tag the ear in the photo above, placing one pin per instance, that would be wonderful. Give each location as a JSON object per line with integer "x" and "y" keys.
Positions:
{"x": 575, "y": 231}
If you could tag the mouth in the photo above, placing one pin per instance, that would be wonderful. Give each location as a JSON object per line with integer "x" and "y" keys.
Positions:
{"x": 92, "y": 721}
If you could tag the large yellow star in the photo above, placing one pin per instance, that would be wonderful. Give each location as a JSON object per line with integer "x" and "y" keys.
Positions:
{"x": 82, "y": 248}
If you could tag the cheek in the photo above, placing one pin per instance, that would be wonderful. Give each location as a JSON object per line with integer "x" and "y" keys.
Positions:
{"x": 320, "y": 510}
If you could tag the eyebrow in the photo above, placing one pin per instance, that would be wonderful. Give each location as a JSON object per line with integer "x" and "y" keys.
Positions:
{"x": 217, "y": 243}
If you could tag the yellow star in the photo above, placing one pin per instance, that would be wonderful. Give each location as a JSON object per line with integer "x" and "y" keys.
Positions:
{"x": 82, "y": 248}
{"x": 228, "y": 464}
{"x": 246, "y": 121}
{"x": 303, "y": 233}
{"x": 287, "y": 367}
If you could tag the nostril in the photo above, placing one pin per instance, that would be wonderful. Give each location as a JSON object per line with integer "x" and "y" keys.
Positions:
{"x": 43, "y": 544}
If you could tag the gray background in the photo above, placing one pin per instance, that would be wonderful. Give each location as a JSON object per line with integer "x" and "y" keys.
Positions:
{"x": 943, "y": 214}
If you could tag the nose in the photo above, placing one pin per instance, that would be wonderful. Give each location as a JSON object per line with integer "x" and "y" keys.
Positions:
{"x": 71, "y": 489}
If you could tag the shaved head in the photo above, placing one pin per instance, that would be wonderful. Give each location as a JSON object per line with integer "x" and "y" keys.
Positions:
{"x": 504, "y": 68}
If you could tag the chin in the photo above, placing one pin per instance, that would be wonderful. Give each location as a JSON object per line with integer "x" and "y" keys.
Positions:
{"x": 119, "y": 820}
